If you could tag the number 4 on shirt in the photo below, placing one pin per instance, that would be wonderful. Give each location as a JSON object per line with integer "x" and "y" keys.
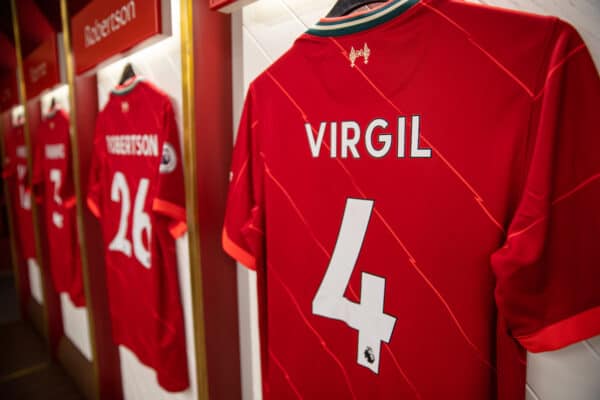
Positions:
{"x": 367, "y": 317}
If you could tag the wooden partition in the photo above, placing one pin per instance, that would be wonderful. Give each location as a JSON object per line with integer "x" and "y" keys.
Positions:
{"x": 84, "y": 109}
{"x": 37, "y": 312}
{"x": 18, "y": 264}
{"x": 206, "y": 59}
{"x": 51, "y": 321}
{"x": 37, "y": 40}
{"x": 209, "y": 142}
{"x": 106, "y": 357}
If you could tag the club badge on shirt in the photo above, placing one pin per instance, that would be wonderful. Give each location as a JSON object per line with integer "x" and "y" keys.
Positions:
{"x": 168, "y": 161}
{"x": 365, "y": 53}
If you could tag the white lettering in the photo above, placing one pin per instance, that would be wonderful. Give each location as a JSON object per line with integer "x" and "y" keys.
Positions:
{"x": 37, "y": 72}
{"x": 100, "y": 30}
{"x": 333, "y": 140}
{"x": 55, "y": 151}
{"x": 401, "y": 137}
{"x": 132, "y": 145}
{"x": 384, "y": 138}
{"x": 347, "y": 142}
{"x": 415, "y": 151}
{"x": 376, "y": 143}
{"x": 21, "y": 152}
{"x": 315, "y": 143}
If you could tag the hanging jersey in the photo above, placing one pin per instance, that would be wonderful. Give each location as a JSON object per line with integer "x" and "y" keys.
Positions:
{"x": 53, "y": 179}
{"x": 16, "y": 170}
{"x": 403, "y": 177}
{"x": 136, "y": 189}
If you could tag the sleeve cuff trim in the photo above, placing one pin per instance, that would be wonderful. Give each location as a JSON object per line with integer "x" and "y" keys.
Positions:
{"x": 93, "y": 207}
{"x": 178, "y": 229}
{"x": 563, "y": 333}
{"x": 169, "y": 209}
{"x": 70, "y": 202}
{"x": 236, "y": 252}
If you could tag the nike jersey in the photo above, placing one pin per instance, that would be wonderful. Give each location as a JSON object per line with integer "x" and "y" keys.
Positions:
{"x": 53, "y": 182}
{"x": 136, "y": 190}
{"x": 417, "y": 187}
{"x": 16, "y": 170}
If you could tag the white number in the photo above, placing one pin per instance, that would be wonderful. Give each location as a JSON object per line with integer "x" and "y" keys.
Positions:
{"x": 367, "y": 317}
{"x": 56, "y": 178}
{"x": 141, "y": 224}
{"x": 24, "y": 196}
{"x": 57, "y": 219}
{"x": 119, "y": 192}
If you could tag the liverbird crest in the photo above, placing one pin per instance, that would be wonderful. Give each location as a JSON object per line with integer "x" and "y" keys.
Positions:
{"x": 365, "y": 52}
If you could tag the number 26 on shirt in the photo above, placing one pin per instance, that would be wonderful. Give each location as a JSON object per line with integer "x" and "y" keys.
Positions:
{"x": 120, "y": 193}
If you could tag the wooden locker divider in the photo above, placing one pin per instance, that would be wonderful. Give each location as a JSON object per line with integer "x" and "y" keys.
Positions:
{"x": 84, "y": 108}
{"x": 191, "y": 195}
{"x": 21, "y": 281}
{"x": 51, "y": 297}
{"x": 22, "y": 95}
{"x": 206, "y": 65}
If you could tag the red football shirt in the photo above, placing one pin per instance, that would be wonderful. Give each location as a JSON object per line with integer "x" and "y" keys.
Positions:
{"x": 52, "y": 174}
{"x": 406, "y": 182}
{"x": 15, "y": 168}
{"x": 136, "y": 189}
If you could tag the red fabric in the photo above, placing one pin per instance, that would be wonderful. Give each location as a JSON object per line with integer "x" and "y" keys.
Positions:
{"x": 493, "y": 212}
{"x": 178, "y": 225}
{"x": 564, "y": 332}
{"x": 53, "y": 181}
{"x": 127, "y": 177}
{"x": 547, "y": 266}
{"x": 15, "y": 168}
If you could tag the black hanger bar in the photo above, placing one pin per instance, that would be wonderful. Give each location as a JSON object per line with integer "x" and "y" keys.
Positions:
{"x": 345, "y": 7}
{"x": 128, "y": 73}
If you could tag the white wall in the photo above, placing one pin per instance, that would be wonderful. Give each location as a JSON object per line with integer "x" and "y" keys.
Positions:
{"x": 35, "y": 280}
{"x": 161, "y": 65}
{"x": 261, "y": 32}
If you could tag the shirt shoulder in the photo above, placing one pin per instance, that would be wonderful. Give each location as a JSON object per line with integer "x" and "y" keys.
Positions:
{"x": 519, "y": 42}
{"x": 154, "y": 95}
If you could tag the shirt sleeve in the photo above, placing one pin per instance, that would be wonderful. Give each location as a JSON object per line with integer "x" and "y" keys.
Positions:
{"x": 170, "y": 198}
{"x": 94, "y": 193}
{"x": 548, "y": 271}
{"x": 243, "y": 230}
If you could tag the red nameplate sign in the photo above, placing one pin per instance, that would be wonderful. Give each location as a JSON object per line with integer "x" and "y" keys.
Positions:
{"x": 105, "y": 28}
{"x": 8, "y": 90}
{"x": 41, "y": 68}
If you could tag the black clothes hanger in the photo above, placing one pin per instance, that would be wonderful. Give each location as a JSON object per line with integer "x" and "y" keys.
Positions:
{"x": 128, "y": 73}
{"x": 345, "y": 7}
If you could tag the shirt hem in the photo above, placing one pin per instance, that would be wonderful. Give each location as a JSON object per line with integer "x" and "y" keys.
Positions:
{"x": 563, "y": 333}
{"x": 93, "y": 207}
{"x": 169, "y": 209}
{"x": 178, "y": 229}
{"x": 238, "y": 253}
